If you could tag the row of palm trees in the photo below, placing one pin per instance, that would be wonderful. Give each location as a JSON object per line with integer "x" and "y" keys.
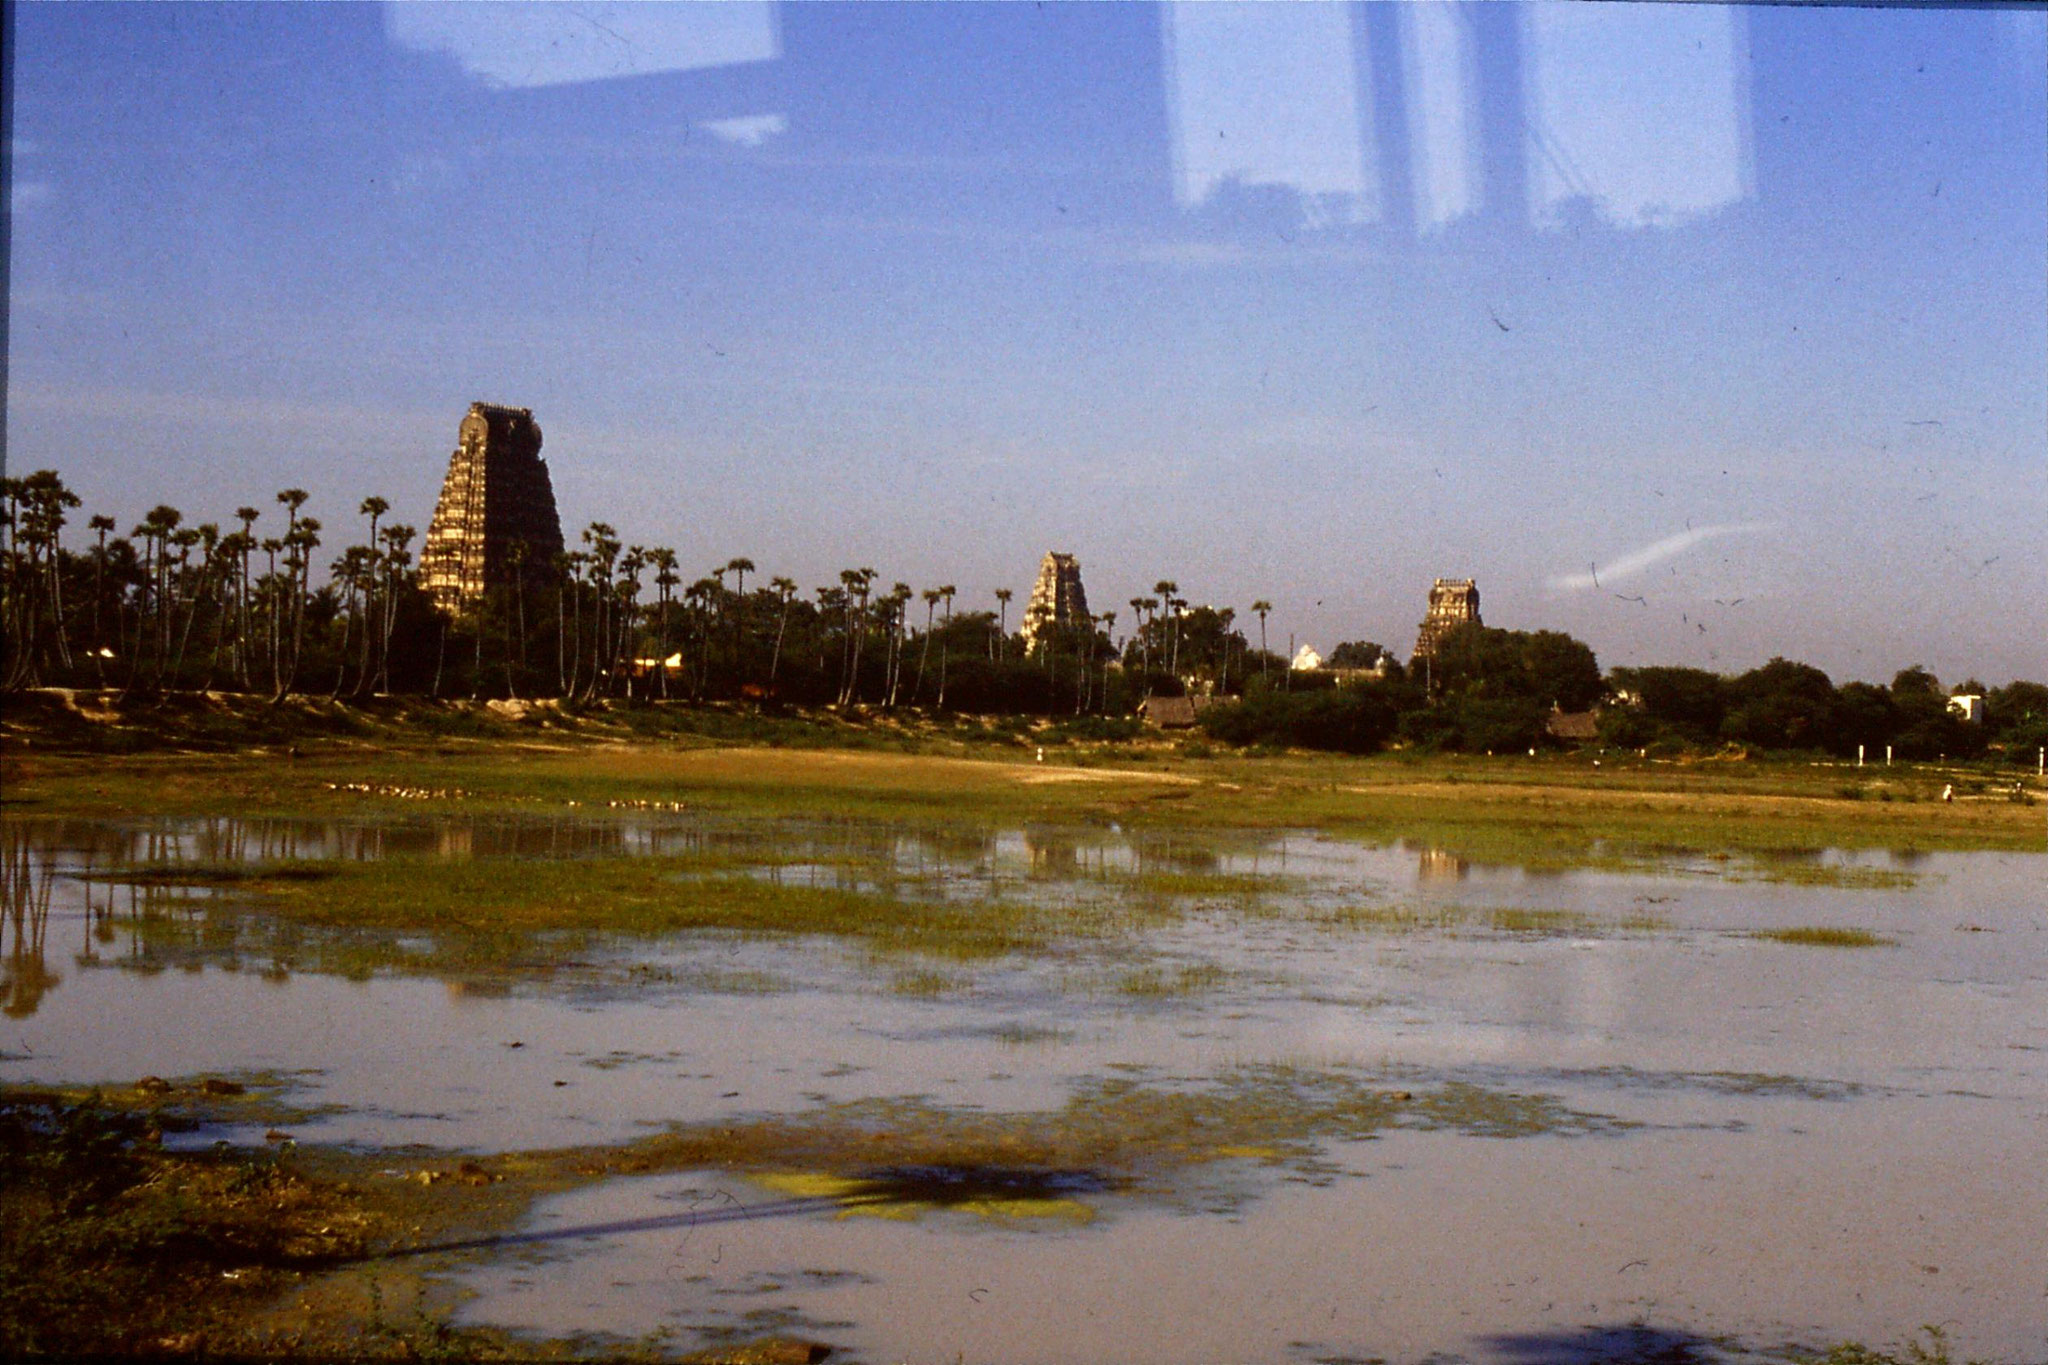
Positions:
{"x": 174, "y": 605}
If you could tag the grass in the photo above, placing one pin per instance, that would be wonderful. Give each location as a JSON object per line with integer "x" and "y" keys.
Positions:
{"x": 1556, "y": 812}
{"x": 418, "y": 913}
{"x": 112, "y": 1246}
{"x": 1822, "y": 936}
{"x": 1159, "y": 983}
{"x": 1127, "y": 1133}
{"x": 1933, "y": 1351}
{"x": 923, "y": 985}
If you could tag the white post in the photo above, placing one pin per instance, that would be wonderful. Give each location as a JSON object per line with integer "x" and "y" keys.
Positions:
{"x": 2041, "y": 761}
{"x": 1887, "y": 755}
{"x": 1859, "y": 755}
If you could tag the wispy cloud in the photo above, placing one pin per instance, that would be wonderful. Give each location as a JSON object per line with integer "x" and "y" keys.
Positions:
{"x": 1633, "y": 563}
{"x": 750, "y": 130}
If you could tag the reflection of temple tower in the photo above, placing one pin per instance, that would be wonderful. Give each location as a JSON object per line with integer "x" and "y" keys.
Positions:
{"x": 1058, "y": 603}
{"x": 497, "y": 510}
{"x": 1437, "y": 865}
{"x": 1453, "y": 602}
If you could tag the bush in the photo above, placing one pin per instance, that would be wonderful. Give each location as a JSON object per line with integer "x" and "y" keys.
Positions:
{"x": 1349, "y": 720}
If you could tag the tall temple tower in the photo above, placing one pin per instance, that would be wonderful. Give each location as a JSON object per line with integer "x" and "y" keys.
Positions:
{"x": 497, "y": 496}
{"x": 1453, "y": 602}
{"x": 1058, "y": 602}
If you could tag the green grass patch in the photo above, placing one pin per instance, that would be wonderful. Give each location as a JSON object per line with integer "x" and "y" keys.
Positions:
{"x": 1161, "y": 983}
{"x": 1517, "y": 920}
{"x": 1823, "y": 936}
{"x": 1127, "y": 1131}
{"x": 1543, "y": 813}
{"x": 923, "y": 985}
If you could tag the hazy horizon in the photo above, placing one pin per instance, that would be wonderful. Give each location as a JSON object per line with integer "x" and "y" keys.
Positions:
{"x": 1705, "y": 334}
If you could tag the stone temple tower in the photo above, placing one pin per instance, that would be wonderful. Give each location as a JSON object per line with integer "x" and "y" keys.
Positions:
{"x": 496, "y": 497}
{"x": 1453, "y": 602}
{"x": 1058, "y": 602}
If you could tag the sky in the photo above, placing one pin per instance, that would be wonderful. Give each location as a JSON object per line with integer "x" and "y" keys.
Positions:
{"x": 1705, "y": 334}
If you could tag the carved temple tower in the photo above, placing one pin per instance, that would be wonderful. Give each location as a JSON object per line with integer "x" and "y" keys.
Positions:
{"x": 1453, "y": 602}
{"x": 496, "y": 518}
{"x": 1058, "y": 602}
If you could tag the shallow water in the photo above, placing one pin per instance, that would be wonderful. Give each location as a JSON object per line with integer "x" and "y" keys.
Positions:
{"x": 1795, "y": 1143}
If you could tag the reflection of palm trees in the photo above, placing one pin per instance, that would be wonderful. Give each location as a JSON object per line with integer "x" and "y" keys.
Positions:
{"x": 25, "y": 882}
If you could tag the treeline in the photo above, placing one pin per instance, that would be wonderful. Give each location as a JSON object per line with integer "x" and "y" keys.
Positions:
{"x": 1502, "y": 691}
{"x": 1485, "y": 690}
{"x": 1793, "y": 706}
{"x": 243, "y": 605}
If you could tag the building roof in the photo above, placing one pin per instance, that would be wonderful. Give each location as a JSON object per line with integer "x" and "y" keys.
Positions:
{"x": 1573, "y": 724}
{"x": 1173, "y": 713}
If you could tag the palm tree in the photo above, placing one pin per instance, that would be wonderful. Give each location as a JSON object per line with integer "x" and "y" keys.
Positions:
{"x": 858, "y": 583}
{"x": 299, "y": 545}
{"x": 665, "y": 580}
{"x": 101, "y": 524}
{"x": 739, "y": 567}
{"x": 931, "y": 598}
{"x": 785, "y": 589}
{"x": 1108, "y": 620}
{"x": 373, "y": 508}
{"x": 396, "y": 557}
{"x": 1003, "y": 622}
{"x": 1166, "y": 588}
{"x": 893, "y": 606}
{"x": 247, "y": 544}
{"x": 1260, "y": 608}
{"x": 946, "y": 592}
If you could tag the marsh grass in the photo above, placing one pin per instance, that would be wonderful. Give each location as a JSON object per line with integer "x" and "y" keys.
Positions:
{"x": 1561, "y": 813}
{"x": 1518, "y": 920}
{"x": 1933, "y": 1351}
{"x": 1744, "y": 1083}
{"x": 208, "y": 873}
{"x": 924, "y": 985}
{"x": 1824, "y": 936}
{"x": 1846, "y": 876}
{"x": 1128, "y": 1130}
{"x": 1161, "y": 983}
{"x": 488, "y": 915}
{"x": 1454, "y": 917}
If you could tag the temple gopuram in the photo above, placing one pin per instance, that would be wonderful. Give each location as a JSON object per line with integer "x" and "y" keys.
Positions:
{"x": 1453, "y": 602}
{"x": 1058, "y": 602}
{"x": 496, "y": 517}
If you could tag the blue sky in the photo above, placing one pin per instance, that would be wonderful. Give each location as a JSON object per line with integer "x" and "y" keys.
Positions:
{"x": 1706, "y": 334}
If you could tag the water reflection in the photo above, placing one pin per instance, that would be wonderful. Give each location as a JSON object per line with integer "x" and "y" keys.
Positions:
{"x": 153, "y": 893}
{"x": 25, "y": 885}
{"x": 1439, "y": 865}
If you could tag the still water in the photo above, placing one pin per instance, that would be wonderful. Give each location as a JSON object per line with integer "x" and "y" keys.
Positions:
{"x": 1781, "y": 1143}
